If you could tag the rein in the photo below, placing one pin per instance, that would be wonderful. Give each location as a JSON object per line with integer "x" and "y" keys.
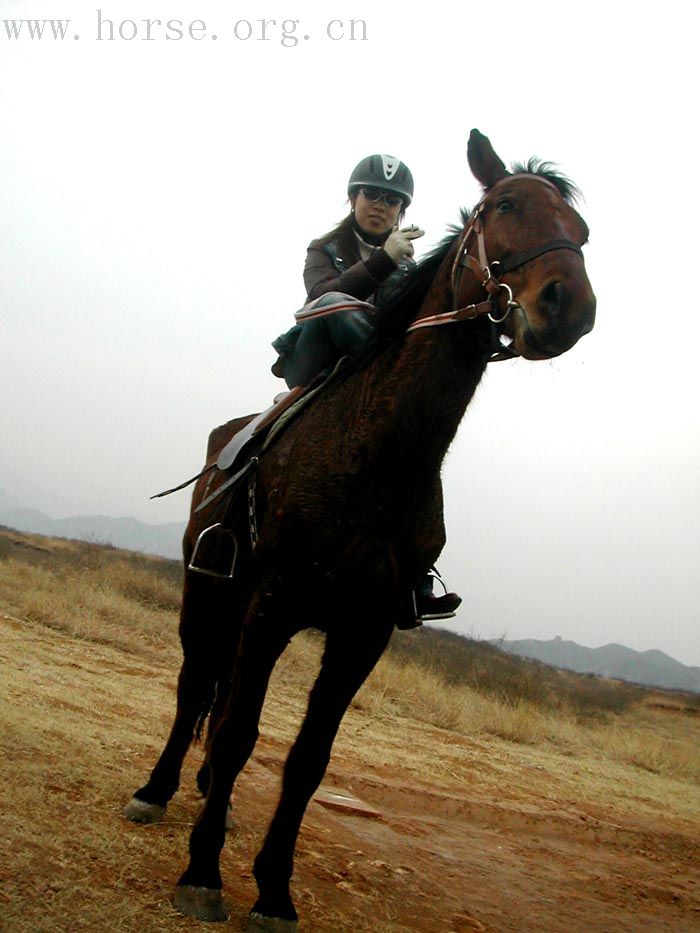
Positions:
{"x": 483, "y": 270}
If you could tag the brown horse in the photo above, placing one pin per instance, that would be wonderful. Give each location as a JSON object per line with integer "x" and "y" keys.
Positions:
{"x": 346, "y": 511}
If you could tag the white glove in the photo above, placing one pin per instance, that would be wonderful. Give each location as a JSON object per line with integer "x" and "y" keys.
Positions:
{"x": 398, "y": 244}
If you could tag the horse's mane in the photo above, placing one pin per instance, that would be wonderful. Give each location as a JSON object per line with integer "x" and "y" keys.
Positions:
{"x": 401, "y": 305}
{"x": 548, "y": 170}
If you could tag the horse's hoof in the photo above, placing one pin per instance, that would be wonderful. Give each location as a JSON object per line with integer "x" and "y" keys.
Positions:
{"x": 200, "y": 903}
{"x": 257, "y": 923}
{"x": 139, "y": 811}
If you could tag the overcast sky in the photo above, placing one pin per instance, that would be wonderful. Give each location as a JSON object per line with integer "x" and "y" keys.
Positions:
{"x": 156, "y": 200}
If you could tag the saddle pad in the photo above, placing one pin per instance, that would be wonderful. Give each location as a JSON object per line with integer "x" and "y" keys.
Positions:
{"x": 231, "y": 452}
{"x": 293, "y": 410}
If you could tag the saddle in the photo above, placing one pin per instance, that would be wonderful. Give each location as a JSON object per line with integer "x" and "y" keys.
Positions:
{"x": 239, "y": 457}
{"x": 239, "y": 454}
{"x": 216, "y": 549}
{"x": 257, "y": 427}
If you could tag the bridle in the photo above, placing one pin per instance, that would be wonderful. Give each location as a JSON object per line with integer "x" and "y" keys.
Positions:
{"x": 483, "y": 270}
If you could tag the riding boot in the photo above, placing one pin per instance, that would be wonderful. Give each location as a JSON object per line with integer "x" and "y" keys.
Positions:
{"x": 428, "y": 605}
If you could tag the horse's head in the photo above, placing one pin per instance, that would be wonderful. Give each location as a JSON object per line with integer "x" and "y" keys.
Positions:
{"x": 523, "y": 243}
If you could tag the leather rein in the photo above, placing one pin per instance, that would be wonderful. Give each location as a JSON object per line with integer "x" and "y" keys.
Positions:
{"x": 483, "y": 270}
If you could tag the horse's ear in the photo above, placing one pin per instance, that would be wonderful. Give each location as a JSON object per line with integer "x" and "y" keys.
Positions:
{"x": 485, "y": 164}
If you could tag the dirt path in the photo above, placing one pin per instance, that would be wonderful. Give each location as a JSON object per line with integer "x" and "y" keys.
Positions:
{"x": 471, "y": 835}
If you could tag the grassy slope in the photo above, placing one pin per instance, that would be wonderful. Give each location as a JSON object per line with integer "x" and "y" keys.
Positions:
{"x": 89, "y": 700}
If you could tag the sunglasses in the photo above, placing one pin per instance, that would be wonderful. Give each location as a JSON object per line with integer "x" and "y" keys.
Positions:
{"x": 374, "y": 195}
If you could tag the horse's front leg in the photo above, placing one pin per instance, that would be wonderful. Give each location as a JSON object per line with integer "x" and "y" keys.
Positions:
{"x": 199, "y": 890}
{"x": 349, "y": 657}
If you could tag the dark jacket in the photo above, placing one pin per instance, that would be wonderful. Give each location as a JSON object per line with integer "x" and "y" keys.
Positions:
{"x": 337, "y": 266}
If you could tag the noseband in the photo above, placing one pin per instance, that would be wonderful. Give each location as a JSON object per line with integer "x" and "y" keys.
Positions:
{"x": 489, "y": 278}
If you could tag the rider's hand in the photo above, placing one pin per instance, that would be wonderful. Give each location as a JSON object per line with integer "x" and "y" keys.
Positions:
{"x": 398, "y": 244}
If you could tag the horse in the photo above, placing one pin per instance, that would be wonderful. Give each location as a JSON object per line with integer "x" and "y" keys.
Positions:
{"x": 344, "y": 510}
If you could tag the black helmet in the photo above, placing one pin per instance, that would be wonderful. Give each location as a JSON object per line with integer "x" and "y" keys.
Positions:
{"x": 382, "y": 171}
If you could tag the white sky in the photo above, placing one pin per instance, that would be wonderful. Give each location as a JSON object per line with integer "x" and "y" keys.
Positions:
{"x": 156, "y": 200}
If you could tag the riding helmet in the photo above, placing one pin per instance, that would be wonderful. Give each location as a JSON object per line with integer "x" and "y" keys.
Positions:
{"x": 382, "y": 171}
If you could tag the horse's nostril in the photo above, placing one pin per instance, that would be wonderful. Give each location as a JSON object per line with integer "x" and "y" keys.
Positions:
{"x": 551, "y": 298}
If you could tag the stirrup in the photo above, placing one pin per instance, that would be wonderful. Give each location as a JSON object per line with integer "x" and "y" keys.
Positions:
{"x": 434, "y": 616}
{"x": 219, "y": 530}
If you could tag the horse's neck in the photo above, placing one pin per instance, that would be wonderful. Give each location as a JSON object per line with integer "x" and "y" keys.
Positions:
{"x": 426, "y": 385}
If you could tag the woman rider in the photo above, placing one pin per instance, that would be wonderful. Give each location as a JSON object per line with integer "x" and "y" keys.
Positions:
{"x": 364, "y": 257}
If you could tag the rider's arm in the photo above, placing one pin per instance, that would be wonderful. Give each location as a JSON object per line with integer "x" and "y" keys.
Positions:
{"x": 360, "y": 280}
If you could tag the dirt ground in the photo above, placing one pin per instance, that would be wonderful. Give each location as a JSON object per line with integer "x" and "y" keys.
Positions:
{"x": 470, "y": 834}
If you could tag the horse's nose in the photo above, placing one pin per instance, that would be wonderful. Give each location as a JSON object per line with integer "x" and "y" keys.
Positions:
{"x": 566, "y": 309}
{"x": 551, "y": 299}
{"x": 565, "y": 314}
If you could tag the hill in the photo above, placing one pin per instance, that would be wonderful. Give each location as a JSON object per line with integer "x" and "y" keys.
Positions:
{"x": 501, "y": 794}
{"x": 164, "y": 539}
{"x": 652, "y": 667}
{"x": 8, "y": 502}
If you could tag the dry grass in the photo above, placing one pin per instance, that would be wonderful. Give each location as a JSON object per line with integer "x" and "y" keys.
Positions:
{"x": 99, "y": 594}
{"x": 90, "y": 656}
{"x": 129, "y": 601}
{"x": 511, "y": 680}
{"x": 409, "y": 690}
{"x": 640, "y": 737}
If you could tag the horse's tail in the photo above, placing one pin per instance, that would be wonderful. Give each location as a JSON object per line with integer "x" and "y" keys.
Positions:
{"x": 220, "y": 689}
{"x": 209, "y": 633}
{"x": 210, "y": 616}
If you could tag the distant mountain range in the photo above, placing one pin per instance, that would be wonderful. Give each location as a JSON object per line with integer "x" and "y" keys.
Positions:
{"x": 164, "y": 540}
{"x": 644, "y": 667}
{"x": 653, "y": 667}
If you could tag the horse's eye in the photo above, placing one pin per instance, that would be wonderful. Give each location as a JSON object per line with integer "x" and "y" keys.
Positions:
{"x": 503, "y": 205}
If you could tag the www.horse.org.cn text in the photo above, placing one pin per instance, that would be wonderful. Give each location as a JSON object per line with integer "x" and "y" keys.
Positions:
{"x": 288, "y": 33}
